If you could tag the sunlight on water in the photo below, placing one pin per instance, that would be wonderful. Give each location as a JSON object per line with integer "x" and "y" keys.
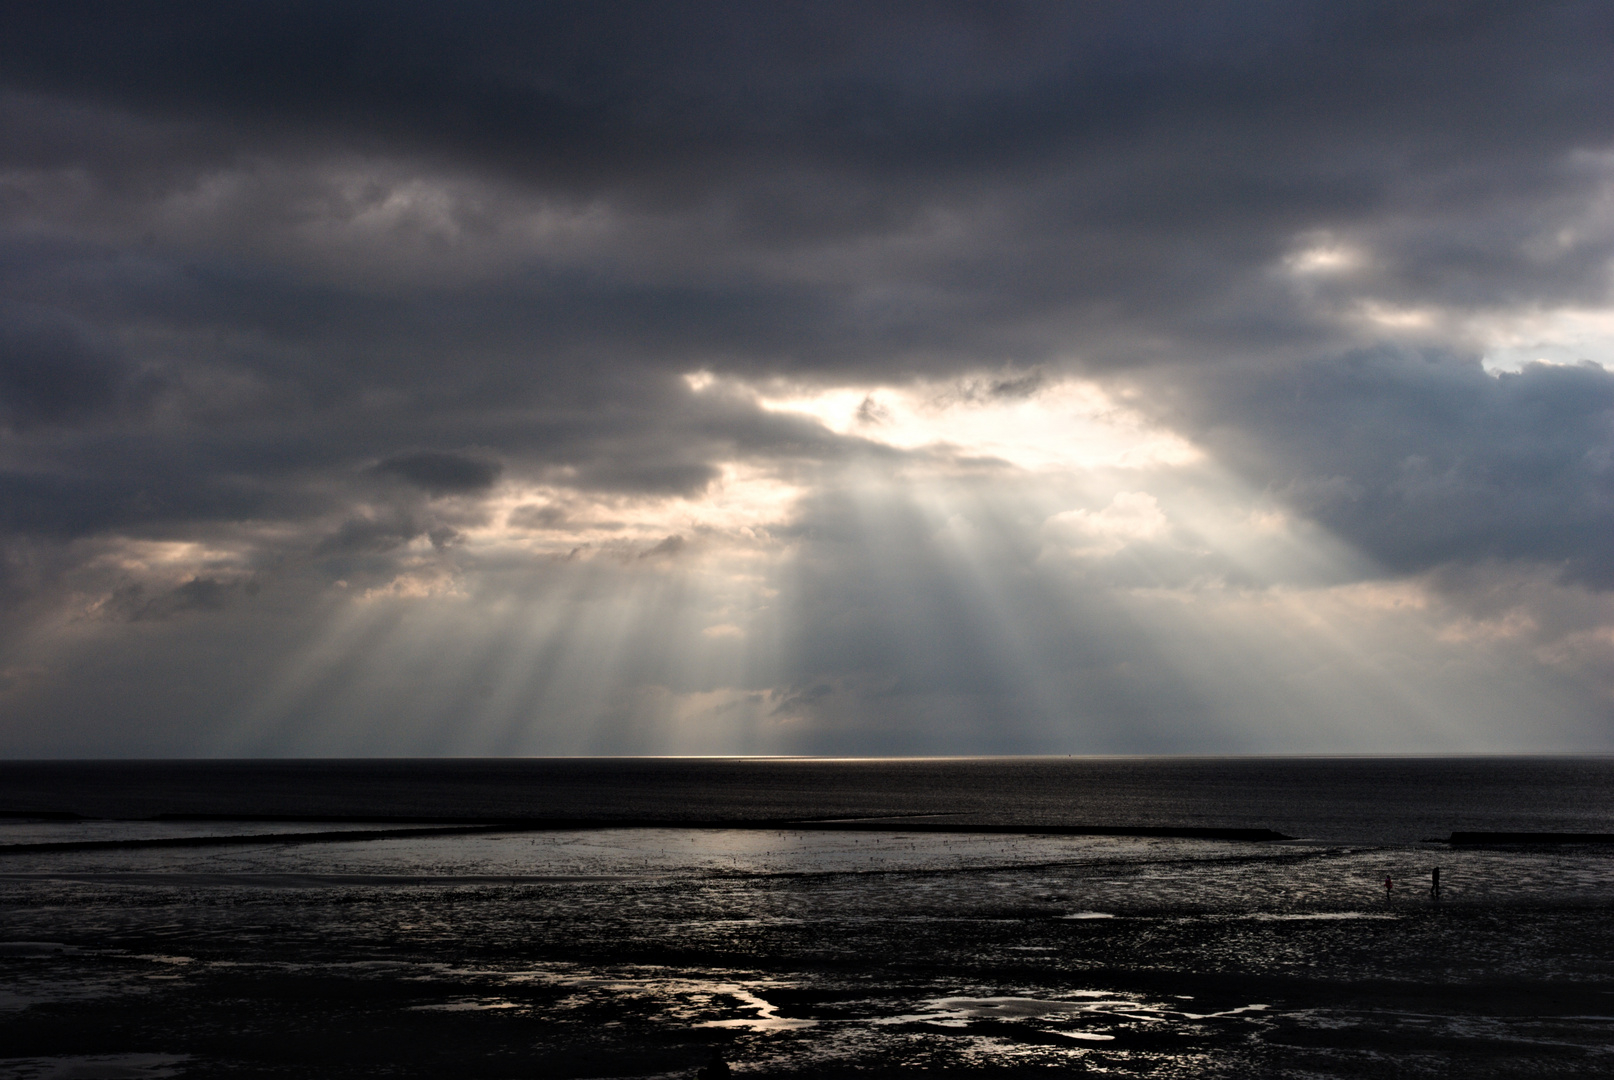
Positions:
{"x": 793, "y": 952}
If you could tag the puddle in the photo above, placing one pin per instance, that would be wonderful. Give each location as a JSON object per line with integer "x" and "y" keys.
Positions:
{"x": 468, "y": 1005}
{"x": 1100, "y": 1007}
{"x": 767, "y": 1018}
{"x": 1228, "y": 1012}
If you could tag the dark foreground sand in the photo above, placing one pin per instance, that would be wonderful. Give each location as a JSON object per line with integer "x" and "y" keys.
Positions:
{"x": 637, "y": 953}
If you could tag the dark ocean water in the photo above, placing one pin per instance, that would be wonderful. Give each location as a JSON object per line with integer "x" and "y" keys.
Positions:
{"x": 795, "y": 952}
{"x": 1364, "y": 800}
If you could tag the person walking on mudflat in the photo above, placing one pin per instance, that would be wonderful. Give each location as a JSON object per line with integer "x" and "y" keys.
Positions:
{"x": 1434, "y": 883}
{"x": 1388, "y": 885}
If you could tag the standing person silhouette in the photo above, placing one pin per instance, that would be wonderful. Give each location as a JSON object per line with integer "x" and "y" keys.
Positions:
{"x": 715, "y": 1068}
{"x": 1388, "y": 885}
{"x": 1434, "y": 883}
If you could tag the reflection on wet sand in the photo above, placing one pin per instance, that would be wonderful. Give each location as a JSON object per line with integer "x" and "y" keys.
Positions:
{"x": 798, "y": 954}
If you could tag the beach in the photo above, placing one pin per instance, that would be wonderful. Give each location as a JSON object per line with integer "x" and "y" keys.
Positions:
{"x": 637, "y": 952}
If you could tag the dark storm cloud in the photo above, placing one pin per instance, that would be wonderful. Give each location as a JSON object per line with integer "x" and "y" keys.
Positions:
{"x": 52, "y": 372}
{"x": 127, "y": 495}
{"x": 1422, "y": 458}
{"x": 1121, "y": 181}
{"x": 317, "y": 284}
{"x": 441, "y": 473}
{"x": 371, "y": 535}
{"x": 1133, "y": 165}
{"x": 599, "y": 89}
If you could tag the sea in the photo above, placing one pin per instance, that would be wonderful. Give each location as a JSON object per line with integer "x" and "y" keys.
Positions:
{"x": 795, "y": 917}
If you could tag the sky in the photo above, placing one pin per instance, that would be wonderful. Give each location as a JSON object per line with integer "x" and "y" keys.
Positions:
{"x": 806, "y": 378}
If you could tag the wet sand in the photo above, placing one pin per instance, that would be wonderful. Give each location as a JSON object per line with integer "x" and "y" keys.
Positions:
{"x": 806, "y": 953}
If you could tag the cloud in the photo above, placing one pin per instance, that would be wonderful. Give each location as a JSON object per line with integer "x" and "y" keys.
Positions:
{"x": 361, "y": 535}
{"x": 1422, "y": 458}
{"x": 1131, "y": 516}
{"x": 439, "y": 473}
{"x": 993, "y": 387}
{"x": 197, "y": 594}
{"x": 668, "y": 547}
{"x": 682, "y": 478}
{"x": 52, "y": 372}
{"x": 533, "y": 516}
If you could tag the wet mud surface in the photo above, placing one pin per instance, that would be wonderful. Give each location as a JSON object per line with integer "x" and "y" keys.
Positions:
{"x": 637, "y": 954}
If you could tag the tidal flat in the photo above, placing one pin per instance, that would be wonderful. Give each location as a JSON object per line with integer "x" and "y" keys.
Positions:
{"x": 640, "y": 952}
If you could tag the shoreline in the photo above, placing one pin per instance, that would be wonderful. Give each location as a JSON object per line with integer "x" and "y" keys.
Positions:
{"x": 1242, "y": 835}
